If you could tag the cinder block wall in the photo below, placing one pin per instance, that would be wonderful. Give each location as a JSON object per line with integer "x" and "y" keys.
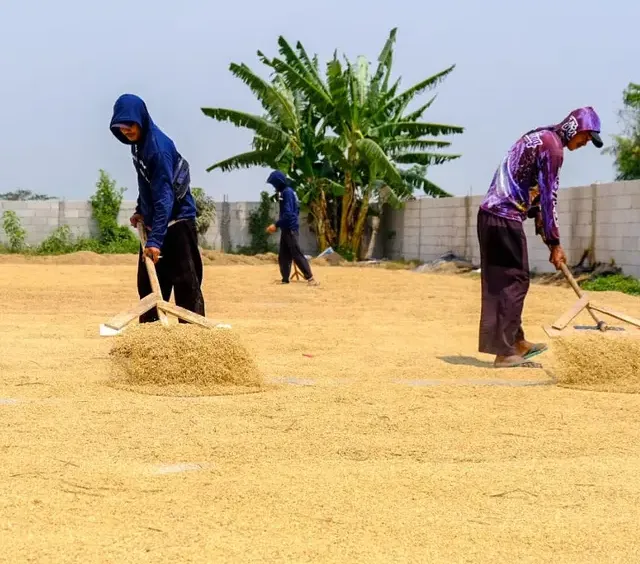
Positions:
{"x": 425, "y": 229}
{"x": 41, "y": 218}
{"x": 608, "y": 214}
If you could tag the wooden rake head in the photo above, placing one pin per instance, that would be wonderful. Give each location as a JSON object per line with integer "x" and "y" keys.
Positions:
{"x": 560, "y": 326}
{"x": 117, "y": 323}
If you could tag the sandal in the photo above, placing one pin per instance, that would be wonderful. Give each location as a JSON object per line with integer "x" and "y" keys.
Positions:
{"x": 535, "y": 350}
{"x": 517, "y": 362}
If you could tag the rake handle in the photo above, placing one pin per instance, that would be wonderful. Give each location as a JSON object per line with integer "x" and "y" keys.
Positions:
{"x": 151, "y": 271}
{"x": 567, "y": 274}
{"x": 571, "y": 279}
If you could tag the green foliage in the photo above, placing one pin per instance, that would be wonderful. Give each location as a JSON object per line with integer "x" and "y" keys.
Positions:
{"x": 259, "y": 220}
{"x": 62, "y": 241}
{"x": 113, "y": 238}
{"x": 614, "y": 283}
{"x": 626, "y": 147}
{"x": 59, "y": 242}
{"x": 105, "y": 204}
{"x": 14, "y": 231}
{"x": 345, "y": 138}
{"x": 346, "y": 253}
{"x": 205, "y": 210}
{"x": 24, "y": 195}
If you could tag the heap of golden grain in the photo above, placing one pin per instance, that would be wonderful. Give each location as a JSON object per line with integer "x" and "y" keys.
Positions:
{"x": 183, "y": 359}
{"x": 606, "y": 363}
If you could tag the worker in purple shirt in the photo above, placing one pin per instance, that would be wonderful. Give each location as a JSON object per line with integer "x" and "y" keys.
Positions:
{"x": 525, "y": 185}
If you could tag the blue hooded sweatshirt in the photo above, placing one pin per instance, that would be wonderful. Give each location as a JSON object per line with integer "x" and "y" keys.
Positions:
{"x": 163, "y": 175}
{"x": 289, "y": 206}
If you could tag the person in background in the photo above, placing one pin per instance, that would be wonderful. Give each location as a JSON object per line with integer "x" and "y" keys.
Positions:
{"x": 288, "y": 223}
{"x": 530, "y": 168}
{"x": 165, "y": 206}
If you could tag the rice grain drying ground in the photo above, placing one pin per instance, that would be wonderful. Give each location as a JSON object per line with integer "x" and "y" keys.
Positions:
{"x": 385, "y": 437}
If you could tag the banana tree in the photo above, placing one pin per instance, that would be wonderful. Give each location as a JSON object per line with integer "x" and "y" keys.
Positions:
{"x": 371, "y": 134}
{"x": 286, "y": 137}
{"x": 339, "y": 137}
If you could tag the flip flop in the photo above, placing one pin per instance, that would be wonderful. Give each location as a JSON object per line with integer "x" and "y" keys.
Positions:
{"x": 535, "y": 350}
{"x": 524, "y": 363}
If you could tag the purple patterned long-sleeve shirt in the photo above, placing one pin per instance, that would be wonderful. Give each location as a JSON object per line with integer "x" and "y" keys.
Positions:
{"x": 532, "y": 165}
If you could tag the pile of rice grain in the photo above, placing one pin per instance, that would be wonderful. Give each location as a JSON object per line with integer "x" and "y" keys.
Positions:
{"x": 183, "y": 359}
{"x": 607, "y": 362}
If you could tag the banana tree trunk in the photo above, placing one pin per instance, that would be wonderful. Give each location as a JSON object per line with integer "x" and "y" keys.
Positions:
{"x": 375, "y": 227}
{"x": 348, "y": 202}
{"x": 325, "y": 236}
{"x": 346, "y": 219}
{"x": 358, "y": 230}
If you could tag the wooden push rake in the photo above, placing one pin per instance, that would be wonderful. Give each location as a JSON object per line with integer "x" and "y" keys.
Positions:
{"x": 296, "y": 273}
{"x": 559, "y": 327}
{"x": 117, "y": 323}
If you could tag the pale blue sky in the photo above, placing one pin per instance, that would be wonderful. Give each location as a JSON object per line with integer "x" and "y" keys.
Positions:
{"x": 519, "y": 65}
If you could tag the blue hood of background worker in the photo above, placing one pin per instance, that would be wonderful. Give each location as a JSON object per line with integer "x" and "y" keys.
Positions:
{"x": 289, "y": 206}
{"x": 163, "y": 175}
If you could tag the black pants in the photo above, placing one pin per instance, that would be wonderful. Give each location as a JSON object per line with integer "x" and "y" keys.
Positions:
{"x": 179, "y": 269}
{"x": 504, "y": 263}
{"x": 290, "y": 251}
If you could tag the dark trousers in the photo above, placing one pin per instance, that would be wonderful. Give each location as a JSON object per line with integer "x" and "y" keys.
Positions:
{"x": 290, "y": 251}
{"x": 504, "y": 263}
{"x": 179, "y": 269}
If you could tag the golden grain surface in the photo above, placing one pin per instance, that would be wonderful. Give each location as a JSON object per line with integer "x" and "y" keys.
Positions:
{"x": 384, "y": 436}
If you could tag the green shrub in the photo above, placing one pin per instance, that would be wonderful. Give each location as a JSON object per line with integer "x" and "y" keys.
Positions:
{"x": 259, "y": 220}
{"x": 14, "y": 231}
{"x": 59, "y": 242}
{"x": 205, "y": 210}
{"x": 613, "y": 283}
{"x": 105, "y": 205}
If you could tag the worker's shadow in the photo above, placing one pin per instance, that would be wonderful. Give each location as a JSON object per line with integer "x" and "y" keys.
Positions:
{"x": 466, "y": 361}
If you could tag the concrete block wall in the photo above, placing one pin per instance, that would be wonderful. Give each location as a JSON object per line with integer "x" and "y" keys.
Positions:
{"x": 41, "y": 218}
{"x": 238, "y": 233}
{"x": 424, "y": 229}
{"x": 608, "y": 214}
{"x": 38, "y": 218}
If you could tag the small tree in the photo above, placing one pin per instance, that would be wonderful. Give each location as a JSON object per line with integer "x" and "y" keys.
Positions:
{"x": 626, "y": 147}
{"x": 105, "y": 204}
{"x": 15, "y": 233}
{"x": 259, "y": 220}
{"x": 205, "y": 210}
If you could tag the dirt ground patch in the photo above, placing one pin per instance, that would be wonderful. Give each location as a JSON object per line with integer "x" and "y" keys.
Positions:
{"x": 385, "y": 438}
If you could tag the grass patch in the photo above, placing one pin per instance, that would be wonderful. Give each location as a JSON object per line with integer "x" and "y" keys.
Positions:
{"x": 613, "y": 283}
{"x": 401, "y": 264}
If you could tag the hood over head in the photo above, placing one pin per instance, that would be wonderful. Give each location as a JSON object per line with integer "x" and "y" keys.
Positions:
{"x": 582, "y": 119}
{"x": 127, "y": 110}
{"x": 278, "y": 180}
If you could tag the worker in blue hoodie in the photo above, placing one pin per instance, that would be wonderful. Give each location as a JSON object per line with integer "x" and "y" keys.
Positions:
{"x": 288, "y": 224}
{"x": 165, "y": 207}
